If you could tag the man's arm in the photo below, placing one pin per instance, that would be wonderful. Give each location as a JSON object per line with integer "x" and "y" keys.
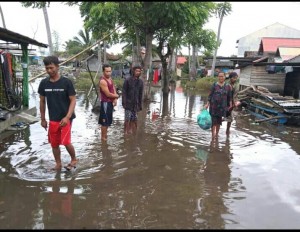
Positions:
{"x": 124, "y": 92}
{"x": 71, "y": 106}
{"x": 42, "y": 111}
{"x": 71, "y": 109}
{"x": 116, "y": 99}
{"x": 104, "y": 88}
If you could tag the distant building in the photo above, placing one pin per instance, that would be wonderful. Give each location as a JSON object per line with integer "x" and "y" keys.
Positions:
{"x": 180, "y": 61}
{"x": 252, "y": 41}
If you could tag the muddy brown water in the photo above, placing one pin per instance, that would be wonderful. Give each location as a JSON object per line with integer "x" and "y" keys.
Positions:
{"x": 169, "y": 176}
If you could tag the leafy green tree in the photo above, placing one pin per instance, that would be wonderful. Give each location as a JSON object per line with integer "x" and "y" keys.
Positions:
{"x": 199, "y": 38}
{"x": 165, "y": 22}
{"x": 222, "y": 10}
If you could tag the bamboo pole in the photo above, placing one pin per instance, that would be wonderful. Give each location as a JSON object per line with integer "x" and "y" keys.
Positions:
{"x": 41, "y": 74}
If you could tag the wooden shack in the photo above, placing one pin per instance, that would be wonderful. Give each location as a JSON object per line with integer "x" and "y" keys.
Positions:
{"x": 276, "y": 77}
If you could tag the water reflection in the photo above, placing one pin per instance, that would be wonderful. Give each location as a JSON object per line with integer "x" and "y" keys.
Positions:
{"x": 169, "y": 175}
{"x": 217, "y": 176}
{"x": 58, "y": 204}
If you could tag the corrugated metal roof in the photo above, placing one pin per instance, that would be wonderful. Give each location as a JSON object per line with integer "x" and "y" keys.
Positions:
{"x": 265, "y": 58}
{"x": 271, "y": 44}
{"x": 10, "y": 36}
{"x": 287, "y": 53}
{"x": 294, "y": 59}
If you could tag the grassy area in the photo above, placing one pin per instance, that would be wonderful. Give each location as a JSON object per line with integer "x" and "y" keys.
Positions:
{"x": 84, "y": 81}
{"x": 199, "y": 84}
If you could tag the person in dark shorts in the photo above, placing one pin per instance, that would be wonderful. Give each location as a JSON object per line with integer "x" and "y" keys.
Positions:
{"x": 59, "y": 93}
{"x": 132, "y": 96}
{"x": 108, "y": 98}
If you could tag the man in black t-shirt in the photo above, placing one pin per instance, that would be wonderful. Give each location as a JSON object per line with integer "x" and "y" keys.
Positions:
{"x": 59, "y": 93}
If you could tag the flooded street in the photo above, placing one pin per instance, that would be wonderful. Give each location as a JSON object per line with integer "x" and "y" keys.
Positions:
{"x": 169, "y": 176}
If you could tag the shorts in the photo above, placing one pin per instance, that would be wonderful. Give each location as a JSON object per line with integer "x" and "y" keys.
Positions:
{"x": 59, "y": 135}
{"x": 106, "y": 114}
{"x": 130, "y": 115}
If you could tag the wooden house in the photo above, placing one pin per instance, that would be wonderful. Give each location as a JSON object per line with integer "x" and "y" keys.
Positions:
{"x": 180, "y": 61}
{"x": 256, "y": 74}
{"x": 278, "y": 68}
{"x": 286, "y": 53}
{"x": 93, "y": 62}
{"x": 282, "y": 78}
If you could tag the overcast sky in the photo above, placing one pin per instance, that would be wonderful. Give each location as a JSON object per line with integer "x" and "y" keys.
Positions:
{"x": 245, "y": 18}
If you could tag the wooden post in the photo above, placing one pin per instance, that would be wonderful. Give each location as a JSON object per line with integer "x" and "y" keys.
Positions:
{"x": 25, "y": 91}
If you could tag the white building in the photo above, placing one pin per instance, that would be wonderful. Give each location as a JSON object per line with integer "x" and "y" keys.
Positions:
{"x": 252, "y": 41}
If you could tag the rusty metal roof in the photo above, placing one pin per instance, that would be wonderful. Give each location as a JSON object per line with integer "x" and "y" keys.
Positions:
{"x": 10, "y": 36}
{"x": 181, "y": 60}
{"x": 271, "y": 44}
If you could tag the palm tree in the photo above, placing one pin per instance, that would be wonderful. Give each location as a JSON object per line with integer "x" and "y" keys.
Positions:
{"x": 84, "y": 38}
{"x": 43, "y": 6}
{"x": 222, "y": 9}
{"x": 45, "y": 12}
{"x": 2, "y": 17}
{"x": 80, "y": 42}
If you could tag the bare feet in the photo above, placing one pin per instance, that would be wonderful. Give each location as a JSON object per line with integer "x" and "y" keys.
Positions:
{"x": 57, "y": 167}
{"x": 71, "y": 165}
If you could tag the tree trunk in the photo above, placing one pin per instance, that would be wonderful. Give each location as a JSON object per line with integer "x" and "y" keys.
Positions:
{"x": 104, "y": 52}
{"x": 99, "y": 58}
{"x": 215, "y": 54}
{"x": 193, "y": 69}
{"x": 48, "y": 30}
{"x": 165, "y": 78}
{"x": 172, "y": 63}
{"x": 2, "y": 17}
{"x": 198, "y": 64}
{"x": 147, "y": 66}
{"x": 138, "y": 47}
{"x": 189, "y": 47}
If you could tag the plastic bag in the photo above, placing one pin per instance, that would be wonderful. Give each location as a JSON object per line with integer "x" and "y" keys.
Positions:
{"x": 204, "y": 120}
{"x": 202, "y": 154}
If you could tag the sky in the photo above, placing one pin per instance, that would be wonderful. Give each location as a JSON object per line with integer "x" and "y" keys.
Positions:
{"x": 245, "y": 18}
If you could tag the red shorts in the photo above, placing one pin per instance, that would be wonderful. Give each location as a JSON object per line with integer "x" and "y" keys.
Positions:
{"x": 58, "y": 135}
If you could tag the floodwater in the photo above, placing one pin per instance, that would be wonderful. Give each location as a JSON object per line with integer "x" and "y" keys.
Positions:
{"x": 169, "y": 176}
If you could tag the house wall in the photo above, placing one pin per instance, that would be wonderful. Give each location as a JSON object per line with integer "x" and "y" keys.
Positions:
{"x": 258, "y": 76}
{"x": 245, "y": 75}
{"x": 292, "y": 83}
{"x": 94, "y": 64}
{"x": 251, "y": 42}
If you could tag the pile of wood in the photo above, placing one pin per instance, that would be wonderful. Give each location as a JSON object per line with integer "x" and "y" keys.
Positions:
{"x": 261, "y": 96}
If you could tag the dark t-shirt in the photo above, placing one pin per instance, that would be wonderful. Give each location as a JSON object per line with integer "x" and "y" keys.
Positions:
{"x": 132, "y": 94}
{"x": 57, "y": 97}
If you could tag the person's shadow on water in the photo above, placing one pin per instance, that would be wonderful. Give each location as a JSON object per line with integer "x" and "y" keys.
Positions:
{"x": 59, "y": 203}
{"x": 216, "y": 175}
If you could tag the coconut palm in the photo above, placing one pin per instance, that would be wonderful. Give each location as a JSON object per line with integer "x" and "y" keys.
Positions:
{"x": 2, "y": 17}
{"x": 222, "y": 9}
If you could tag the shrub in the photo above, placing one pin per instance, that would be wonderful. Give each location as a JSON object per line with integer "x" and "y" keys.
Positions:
{"x": 205, "y": 83}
